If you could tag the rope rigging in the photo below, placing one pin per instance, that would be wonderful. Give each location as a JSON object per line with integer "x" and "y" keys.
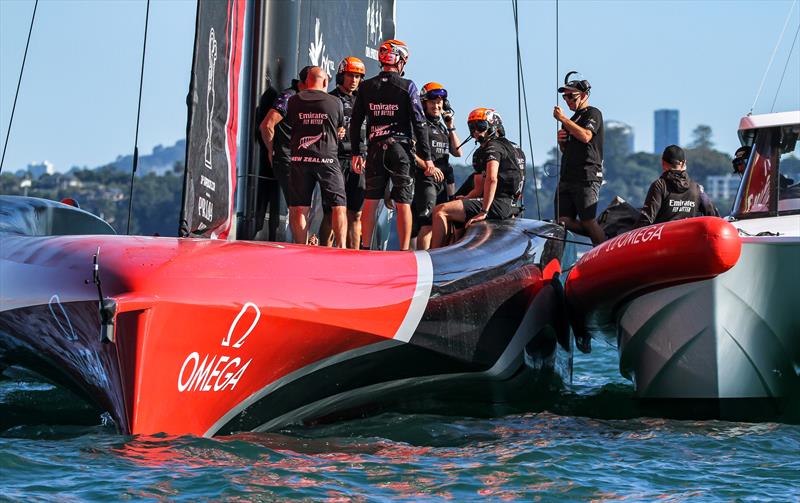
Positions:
{"x": 774, "y": 51}
{"x": 521, "y": 85}
{"x": 138, "y": 116}
{"x": 788, "y": 59}
{"x": 19, "y": 81}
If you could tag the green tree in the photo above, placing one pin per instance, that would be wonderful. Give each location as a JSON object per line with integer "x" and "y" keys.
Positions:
{"x": 701, "y": 137}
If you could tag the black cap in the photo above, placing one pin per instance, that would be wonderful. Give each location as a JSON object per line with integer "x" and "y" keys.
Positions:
{"x": 673, "y": 155}
{"x": 304, "y": 73}
{"x": 743, "y": 151}
{"x": 572, "y": 86}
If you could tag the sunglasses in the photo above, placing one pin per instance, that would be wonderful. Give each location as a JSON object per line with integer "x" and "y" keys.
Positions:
{"x": 570, "y": 97}
{"x": 479, "y": 126}
{"x": 436, "y": 93}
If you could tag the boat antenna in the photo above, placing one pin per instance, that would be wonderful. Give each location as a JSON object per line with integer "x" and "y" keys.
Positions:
{"x": 788, "y": 58}
{"x": 19, "y": 81}
{"x": 521, "y": 83}
{"x": 138, "y": 115}
{"x": 558, "y": 151}
{"x": 775, "y": 50}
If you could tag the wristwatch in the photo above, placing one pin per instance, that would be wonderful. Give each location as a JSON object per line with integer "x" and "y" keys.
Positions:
{"x": 451, "y": 129}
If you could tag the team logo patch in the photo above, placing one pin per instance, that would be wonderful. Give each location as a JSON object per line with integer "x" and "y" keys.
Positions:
{"x": 307, "y": 141}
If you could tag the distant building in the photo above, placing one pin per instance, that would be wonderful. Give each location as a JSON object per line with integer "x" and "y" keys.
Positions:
{"x": 666, "y": 129}
{"x": 41, "y": 168}
{"x": 624, "y": 131}
{"x": 722, "y": 187}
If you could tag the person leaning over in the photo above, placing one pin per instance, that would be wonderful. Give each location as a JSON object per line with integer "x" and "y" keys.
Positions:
{"x": 428, "y": 192}
{"x": 499, "y": 179}
{"x": 674, "y": 195}
{"x": 390, "y": 104}
{"x": 276, "y": 133}
{"x": 315, "y": 118}
{"x": 580, "y": 140}
{"x": 349, "y": 74}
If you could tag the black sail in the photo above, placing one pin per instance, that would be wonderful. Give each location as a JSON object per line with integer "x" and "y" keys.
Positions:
{"x": 210, "y": 177}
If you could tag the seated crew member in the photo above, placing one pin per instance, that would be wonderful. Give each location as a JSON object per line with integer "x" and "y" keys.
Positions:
{"x": 315, "y": 118}
{"x": 498, "y": 181}
{"x": 348, "y": 77}
{"x": 674, "y": 196}
{"x": 275, "y": 132}
{"x": 390, "y": 104}
{"x": 444, "y": 141}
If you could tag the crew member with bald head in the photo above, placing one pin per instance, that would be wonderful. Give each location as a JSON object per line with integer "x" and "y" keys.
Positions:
{"x": 315, "y": 118}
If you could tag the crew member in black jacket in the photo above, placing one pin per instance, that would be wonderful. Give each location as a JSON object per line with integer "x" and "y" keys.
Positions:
{"x": 390, "y": 104}
{"x": 315, "y": 118}
{"x": 674, "y": 195}
{"x": 349, "y": 75}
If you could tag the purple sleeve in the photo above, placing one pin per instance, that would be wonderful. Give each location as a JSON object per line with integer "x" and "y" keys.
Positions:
{"x": 282, "y": 102}
{"x": 419, "y": 123}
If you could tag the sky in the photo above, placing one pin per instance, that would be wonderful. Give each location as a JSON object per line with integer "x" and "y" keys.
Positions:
{"x": 77, "y": 104}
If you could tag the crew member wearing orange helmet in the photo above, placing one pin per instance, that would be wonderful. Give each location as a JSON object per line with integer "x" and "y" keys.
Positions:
{"x": 444, "y": 141}
{"x": 498, "y": 181}
{"x": 391, "y": 107}
{"x": 349, "y": 75}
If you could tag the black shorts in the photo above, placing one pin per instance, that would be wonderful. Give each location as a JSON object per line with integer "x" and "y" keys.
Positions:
{"x": 354, "y": 186}
{"x": 578, "y": 199}
{"x": 305, "y": 175}
{"x": 387, "y": 160}
{"x": 501, "y": 208}
{"x": 281, "y": 166}
{"x": 427, "y": 194}
{"x": 449, "y": 175}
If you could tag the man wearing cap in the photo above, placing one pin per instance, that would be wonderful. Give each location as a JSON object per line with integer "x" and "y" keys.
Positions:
{"x": 674, "y": 196}
{"x": 391, "y": 107}
{"x": 276, "y": 133}
{"x": 580, "y": 140}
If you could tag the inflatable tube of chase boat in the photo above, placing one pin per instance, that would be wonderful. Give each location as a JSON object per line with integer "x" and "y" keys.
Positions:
{"x": 645, "y": 259}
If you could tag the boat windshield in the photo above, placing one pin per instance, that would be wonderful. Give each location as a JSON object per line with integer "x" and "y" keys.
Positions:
{"x": 771, "y": 182}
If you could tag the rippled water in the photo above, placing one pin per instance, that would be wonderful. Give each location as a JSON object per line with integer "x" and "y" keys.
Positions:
{"x": 589, "y": 442}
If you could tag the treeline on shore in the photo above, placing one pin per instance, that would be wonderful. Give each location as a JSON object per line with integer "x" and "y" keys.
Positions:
{"x": 157, "y": 198}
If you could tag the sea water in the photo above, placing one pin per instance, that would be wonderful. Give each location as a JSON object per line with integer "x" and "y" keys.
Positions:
{"x": 589, "y": 442}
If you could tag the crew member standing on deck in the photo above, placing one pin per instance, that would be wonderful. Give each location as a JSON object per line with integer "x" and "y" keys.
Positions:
{"x": 315, "y": 118}
{"x": 276, "y": 133}
{"x": 390, "y": 104}
{"x": 580, "y": 139}
{"x": 428, "y": 192}
{"x": 348, "y": 77}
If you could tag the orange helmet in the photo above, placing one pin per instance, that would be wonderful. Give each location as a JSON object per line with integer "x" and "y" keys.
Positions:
{"x": 392, "y": 52}
{"x": 485, "y": 119}
{"x": 352, "y": 65}
{"x": 432, "y": 90}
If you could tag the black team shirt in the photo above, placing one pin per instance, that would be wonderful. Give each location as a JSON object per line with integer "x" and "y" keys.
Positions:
{"x": 440, "y": 143}
{"x": 510, "y": 173}
{"x": 390, "y": 104}
{"x": 345, "y": 150}
{"x": 583, "y": 162}
{"x": 315, "y": 117}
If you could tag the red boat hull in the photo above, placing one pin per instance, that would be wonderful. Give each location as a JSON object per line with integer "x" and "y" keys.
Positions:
{"x": 643, "y": 260}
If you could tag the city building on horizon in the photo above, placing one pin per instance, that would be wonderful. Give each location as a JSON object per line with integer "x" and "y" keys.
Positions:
{"x": 38, "y": 169}
{"x": 666, "y": 131}
{"x": 624, "y": 130}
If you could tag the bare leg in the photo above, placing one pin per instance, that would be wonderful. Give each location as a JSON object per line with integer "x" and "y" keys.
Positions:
{"x": 325, "y": 230}
{"x": 452, "y": 211}
{"x": 594, "y": 231}
{"x": 572, "y": 225}
{"x": 339, "y": 225}
{"x": 424, "y": 238}
{"x": 368, "y": 220}
{"x": 298, "y": 221}
{"x": 353, "y": 229}
{"x": 403, "y": 224}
